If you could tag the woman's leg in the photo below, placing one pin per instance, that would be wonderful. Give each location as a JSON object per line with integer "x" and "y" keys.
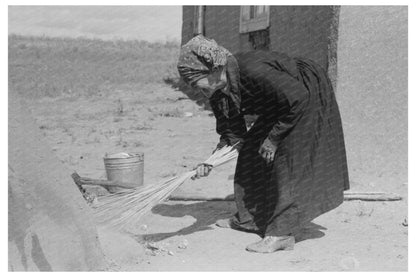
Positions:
{"x": 258, "y": 195}
{"x": 250, "y": 180}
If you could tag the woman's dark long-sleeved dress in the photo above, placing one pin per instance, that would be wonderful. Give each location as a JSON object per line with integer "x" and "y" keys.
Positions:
{"x": 298, "y": 112}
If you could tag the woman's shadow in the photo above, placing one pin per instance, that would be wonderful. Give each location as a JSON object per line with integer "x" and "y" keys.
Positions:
{"x": 206, "y": 214}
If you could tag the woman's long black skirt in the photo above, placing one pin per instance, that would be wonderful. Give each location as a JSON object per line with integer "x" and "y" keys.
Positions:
{"x": 309, "y": 172}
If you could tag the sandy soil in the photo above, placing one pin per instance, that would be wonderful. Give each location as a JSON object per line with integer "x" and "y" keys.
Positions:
{"x": 175, "y": 134}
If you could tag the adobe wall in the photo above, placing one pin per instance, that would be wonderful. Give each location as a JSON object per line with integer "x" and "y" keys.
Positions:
{"x": 372, "y": 92}
{"x": 364, "y": 50}
{"x": 295, "y": 30}
{"x": 301, "y": 31}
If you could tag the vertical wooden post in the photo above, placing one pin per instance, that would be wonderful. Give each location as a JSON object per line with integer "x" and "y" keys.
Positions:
{"x": 199, "y": 20}
{"x": 332, "y": 46}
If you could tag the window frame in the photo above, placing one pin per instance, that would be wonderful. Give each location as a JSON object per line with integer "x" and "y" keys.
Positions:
{"x": 256, "y": 23}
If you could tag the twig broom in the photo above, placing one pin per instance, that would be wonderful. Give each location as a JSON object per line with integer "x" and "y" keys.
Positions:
{"x": 123, "y": 208}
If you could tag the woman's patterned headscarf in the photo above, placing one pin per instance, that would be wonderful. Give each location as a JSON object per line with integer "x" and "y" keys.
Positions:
{"x": 199, "y": 57}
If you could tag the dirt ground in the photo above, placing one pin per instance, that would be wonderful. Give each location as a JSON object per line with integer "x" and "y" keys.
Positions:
{"x": 175, "y": 134}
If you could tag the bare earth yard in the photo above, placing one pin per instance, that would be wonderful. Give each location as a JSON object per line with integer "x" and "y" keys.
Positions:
{"x": 157, "y": 120}
{"x": 175, "y": 133}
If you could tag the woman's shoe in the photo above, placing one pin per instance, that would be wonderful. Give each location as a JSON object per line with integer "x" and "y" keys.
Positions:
{"x": 229, "y": 223}
{"x": 272, "y": 244}
{"x": 224, "y": 223}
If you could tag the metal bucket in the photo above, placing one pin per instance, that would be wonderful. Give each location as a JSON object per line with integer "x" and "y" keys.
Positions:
{"x": 125, "y": 167}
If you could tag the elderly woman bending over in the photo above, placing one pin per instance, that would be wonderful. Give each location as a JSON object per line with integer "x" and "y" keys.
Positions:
{"x": 292, "y": 164}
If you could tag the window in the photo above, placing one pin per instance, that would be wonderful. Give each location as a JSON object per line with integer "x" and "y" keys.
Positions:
{"x": 254, "y": 18}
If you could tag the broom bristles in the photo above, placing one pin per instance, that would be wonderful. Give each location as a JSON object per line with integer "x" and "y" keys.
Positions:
{"x": 125, "y": 207}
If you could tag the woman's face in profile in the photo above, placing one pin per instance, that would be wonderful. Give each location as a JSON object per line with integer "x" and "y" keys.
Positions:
{"x": 211, "y": 83}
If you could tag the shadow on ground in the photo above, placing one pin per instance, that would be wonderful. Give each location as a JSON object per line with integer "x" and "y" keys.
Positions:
{"x": 207, "y": 213}
{"x": 310, "y": 231}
